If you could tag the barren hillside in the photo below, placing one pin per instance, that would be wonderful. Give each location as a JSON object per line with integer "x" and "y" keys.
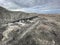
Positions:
{"x": 19, "y": 28}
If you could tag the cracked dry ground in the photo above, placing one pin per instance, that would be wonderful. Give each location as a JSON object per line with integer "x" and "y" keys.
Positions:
{"x": 43, "y": 30}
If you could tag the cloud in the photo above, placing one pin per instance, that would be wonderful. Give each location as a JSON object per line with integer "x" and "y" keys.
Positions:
{"x": 31, "y": 5}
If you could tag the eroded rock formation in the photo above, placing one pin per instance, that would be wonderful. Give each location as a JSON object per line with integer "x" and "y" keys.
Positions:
{"x": 34, "y": 29}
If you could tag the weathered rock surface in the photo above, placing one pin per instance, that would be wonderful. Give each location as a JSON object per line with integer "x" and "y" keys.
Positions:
{"x": 19, "y": 28}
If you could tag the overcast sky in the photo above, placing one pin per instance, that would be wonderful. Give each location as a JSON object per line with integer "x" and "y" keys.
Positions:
{"x": 35, "y": 5}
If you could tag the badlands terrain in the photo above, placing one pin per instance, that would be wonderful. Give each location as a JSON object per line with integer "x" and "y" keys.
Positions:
{"x": 19, "y": 28}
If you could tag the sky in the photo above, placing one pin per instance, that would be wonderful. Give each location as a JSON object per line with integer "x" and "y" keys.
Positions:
{"x": 33, "y": 6}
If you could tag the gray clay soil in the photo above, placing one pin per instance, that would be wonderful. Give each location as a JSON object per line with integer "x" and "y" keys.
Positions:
{"x": 19, "y": 28}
